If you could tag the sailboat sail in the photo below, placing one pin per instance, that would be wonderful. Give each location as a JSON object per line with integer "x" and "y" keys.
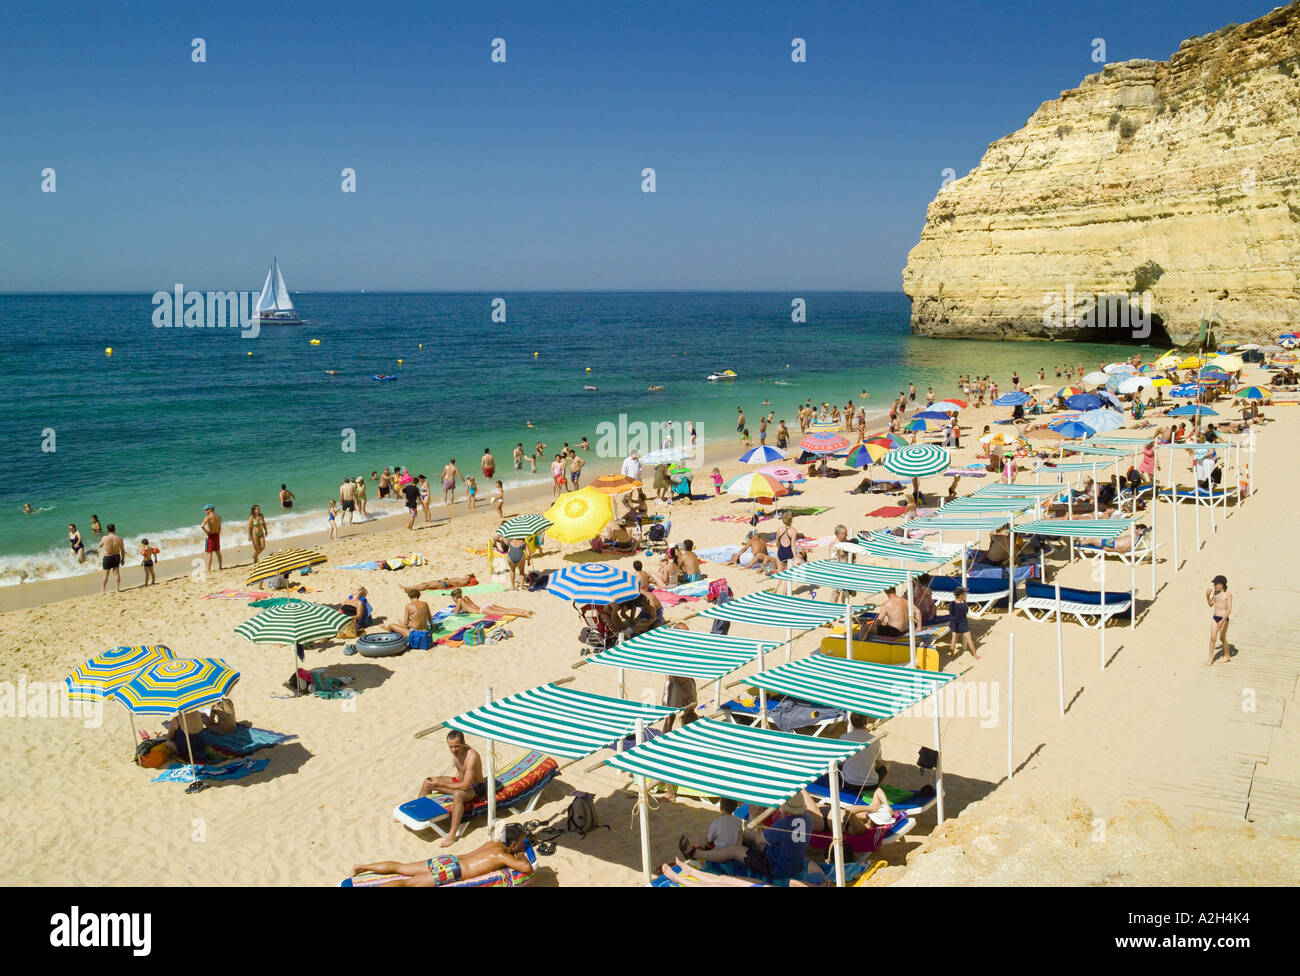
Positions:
{"x": 275, "y": 296}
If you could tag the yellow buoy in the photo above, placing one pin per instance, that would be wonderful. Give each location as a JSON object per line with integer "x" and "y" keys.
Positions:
{"x": 108, "y": 351}
{"x": 315, "y": 342}
{"x": 588, "y": 369}
{"x": 399, "y": 362}
{"x": 250, "y": 354}
{"x": 534, "y": 355}
{"x": 422, "y": 345}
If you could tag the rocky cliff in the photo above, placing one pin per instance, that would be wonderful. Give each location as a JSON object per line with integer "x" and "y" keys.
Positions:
{"x": 1156, "y": 189}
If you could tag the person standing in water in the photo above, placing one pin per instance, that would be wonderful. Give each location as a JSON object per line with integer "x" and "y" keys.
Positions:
{"x": 111, "y": 552}
{"x": 75, "y": 541}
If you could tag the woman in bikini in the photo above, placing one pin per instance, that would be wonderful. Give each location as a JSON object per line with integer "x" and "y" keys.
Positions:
{"x": 256, "y": 531}
{"x": 465, "y": 605}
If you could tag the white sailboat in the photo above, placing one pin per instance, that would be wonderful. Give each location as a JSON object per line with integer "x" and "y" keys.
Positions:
{"x": 274, "y": 307}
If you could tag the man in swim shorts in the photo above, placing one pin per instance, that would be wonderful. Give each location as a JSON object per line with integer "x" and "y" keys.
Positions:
{"x": 441, "y": 869}
{"x": 449, "y": 475}
{"x": 891, "y": 619}
{"x": 417, "y": 615}
{"x": 488, "y": 463}
{"x": 348, "y": 500}
{"x": 111, "y": 551}
{"x": 411, "y": 492}
{"x": 468, "y": 785}
{"x": 211, "y": 526}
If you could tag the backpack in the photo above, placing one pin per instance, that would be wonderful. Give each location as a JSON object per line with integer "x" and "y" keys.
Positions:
{"x": 581, "y": 816}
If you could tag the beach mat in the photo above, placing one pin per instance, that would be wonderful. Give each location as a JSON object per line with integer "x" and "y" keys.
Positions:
{"x": 366, "y": 565}
{"x": 887, "y": 511}
{"x": 222, "y": 773}
{"x": 235, "y": 595}
{"x": 817, "y": 510}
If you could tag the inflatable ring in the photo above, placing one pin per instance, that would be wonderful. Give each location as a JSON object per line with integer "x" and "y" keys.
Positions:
{"x": 382, "y": 644}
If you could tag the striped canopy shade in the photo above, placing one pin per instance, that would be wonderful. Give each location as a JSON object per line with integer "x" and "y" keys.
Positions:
{"x": 776, "y": 610}
{"x": 986, "y": 504}
{"x": 690, "y": 653}
{"x": 960, "y": 521}
{"x": 1077, "y": 528}
{"x": 616, "y": 484}
{"x": 823, "y": 426}
{"x": 879, "y": 690}
{"x": 884, "y": 545}
{"x": 856, "y": 577}
{"x": 916, "y": 460}
{"x": 596, "y": 583}
{"x": 180, "y": 685}
{"x": 762, "y": 455}
{"x": 754, "y": 484}
{"x": 577, "y": 516}
{"x": 752, "y": 765}
{"x": 1018, "y": 491}
{"x": 295, "y": 622}
{"x": 824, "y": 442}
{"x": 108, "y": 671}
{"x": 1016, "y": 398}
{"x": 284, "y": 561}
{"x": 1096, "y": 450}
{"x": 558, "y": 720}
{"x": 523, "y": 526}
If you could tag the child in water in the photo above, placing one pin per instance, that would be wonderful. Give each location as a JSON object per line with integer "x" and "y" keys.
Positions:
{"x": 147, "y": 552}
{"x": 471, "y": 489}
{"x": 333, "y": 519}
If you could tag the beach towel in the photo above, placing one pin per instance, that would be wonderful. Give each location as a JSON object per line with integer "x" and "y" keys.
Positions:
{"x": 732, "y": 518}
{"x": 887, "y": 511}
{"x": 808, "y": 511}
{"x": 243, "y": 741}
{"x": 721, "y": 554}
{"x": 670, "y": 599}
{"x": 234, "y": 595}
{"x": 225, "y": 772}
{"x": 807, "y": 545}
{"x": 366, "y": 565}
{"x": 694, "y": 588}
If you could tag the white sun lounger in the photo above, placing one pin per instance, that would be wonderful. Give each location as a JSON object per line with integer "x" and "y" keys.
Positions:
{"x": 1090, "y": 615}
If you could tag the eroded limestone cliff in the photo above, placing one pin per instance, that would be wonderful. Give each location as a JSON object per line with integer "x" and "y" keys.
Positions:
{"x": 1172, "y": 186}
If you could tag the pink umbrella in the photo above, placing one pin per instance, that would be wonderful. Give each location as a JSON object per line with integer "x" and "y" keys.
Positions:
{"x": 784, "y": 473}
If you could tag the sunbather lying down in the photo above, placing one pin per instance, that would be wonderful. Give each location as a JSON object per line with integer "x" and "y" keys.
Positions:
{"x": 448, "y": 582}
{"x": 465, "y": 605}
{"x": 684, "y": 874}
{"x": 442, "y": 869}
{"x": 1123, "y": 543}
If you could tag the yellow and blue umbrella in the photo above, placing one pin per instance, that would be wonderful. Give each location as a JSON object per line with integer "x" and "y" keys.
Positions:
{"x": 176, "y": 685}
{"x": 577, "y": 516}
{"x": 1253, "y": 393}
{"x": 105, "y": 673}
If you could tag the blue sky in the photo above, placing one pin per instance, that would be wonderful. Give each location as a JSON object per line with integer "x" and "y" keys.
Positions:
{"x": 524, "y": 175}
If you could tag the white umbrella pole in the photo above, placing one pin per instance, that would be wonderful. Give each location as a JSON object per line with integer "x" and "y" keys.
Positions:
{"x": 938, "y": 761}
{"x": 643, "y": 811}
{"x": 965, "y": 552}
{"x": 1101, "y": 629}
{"x": 1060, "y": 657}
{"x": 1154, "y": 538}
{"x": 911, "y": 629}
{"x": 762, "y": 708}
{"x": 1011, "y": 562}
{"x": 492, "y": 772}
{"x": 1173, "y": 510}
{"x": 622, "y": 684}
{"x": 789, "y": 644}
{"x": 1011, "y": 695}
{"x": 837, "y": 828}
{"x": 848, "y": 630}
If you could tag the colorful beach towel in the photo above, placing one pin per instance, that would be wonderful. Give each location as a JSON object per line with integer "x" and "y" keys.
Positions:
{"x": 807, "y": 545}
{"x": 887, "y": 511}
{"x": 244, "y": 741}
{"x": 234, "y": 595}
{"x": 225, "y": 772}
{"x": 808, "y": 511}
{"x": 694, "y": 588}
{"x": 671, "y": 599}
{"x": 721, "y": 554}
{"x": 367, "y": 565}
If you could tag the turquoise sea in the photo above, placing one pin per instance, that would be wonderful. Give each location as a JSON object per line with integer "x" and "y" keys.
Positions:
{"x": 179, "y": 418}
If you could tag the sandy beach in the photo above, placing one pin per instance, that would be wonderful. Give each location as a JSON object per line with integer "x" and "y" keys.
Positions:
{"x": 1146, "y": 748}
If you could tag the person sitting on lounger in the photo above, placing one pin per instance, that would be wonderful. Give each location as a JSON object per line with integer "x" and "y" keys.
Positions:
{"x": 1122, "y": 543}
{"x": 467, "y": 786}
{"x": 891, "y": 619}
{"x": 357, "y": 606}
{"x": 464, "y": 604}
{"x": 416, "y": 616}
{"x": 443, "y": 869}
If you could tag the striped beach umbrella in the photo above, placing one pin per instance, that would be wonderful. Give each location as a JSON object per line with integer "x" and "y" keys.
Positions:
{"x": 824, "y": 442}
{"x": 1016, "y": 398}
{"x": 932, "y": 414}
{"x": 597, "y": 583}
{"x": 1192, "y": 410}
{"x": 888, "y": 440}
{"x": 523, "y": 526}
{"x": 919, "y": 424}
{"x": 1253, "y": 393}
{"x": 180, "y": 685}
{"x": 916, "y": 460}
{"x": 577, "y": 516}
{"x": 106, "y": 672}
{"x": 1102, "y": 421}
{"x": 865, "y": 455}
{"x": 823, "y": 426}
{"x": 1068, "y": 391}
{"x": 762, "y": 455}
{"x": 784, "y": 473}
{"x": 616, "y": 484}
{"x": 294, "y": 622}
{"x": 284, "y": 561}
{"x": 754, "y": 484}
{"x": 1119, "y": 369}
{"x": 951, "y": 405}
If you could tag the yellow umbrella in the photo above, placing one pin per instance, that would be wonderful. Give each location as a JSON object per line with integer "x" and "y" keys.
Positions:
{"x": 578, "y": 516}
{"x": 614, "y": 484}
{"x": 1162, "y": 382}
{"x": 1191, "y": 362}
{"x": 1167, "y": 360}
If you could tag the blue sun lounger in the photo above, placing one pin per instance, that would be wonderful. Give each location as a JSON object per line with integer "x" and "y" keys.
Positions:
{"x": 1089, "y": 607}
{"x": 982, "y": 593}
{"x": 519, "y": 787}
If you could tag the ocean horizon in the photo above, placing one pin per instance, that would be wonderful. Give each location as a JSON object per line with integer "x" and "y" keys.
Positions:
{"x": 177, "y": 418}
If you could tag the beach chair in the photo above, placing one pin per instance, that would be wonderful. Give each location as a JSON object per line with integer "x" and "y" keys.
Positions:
{"x": 745, "y": 711}
{"x": 519, "y": 787}
{"x": 501, "y": 878}
{"x": 982, "y": 594}
{"x": 912, "y": 805}
{"x": 1137, "y": 555}
{"x": 1191, "y": 496}
{"x": 1090, "y": 608}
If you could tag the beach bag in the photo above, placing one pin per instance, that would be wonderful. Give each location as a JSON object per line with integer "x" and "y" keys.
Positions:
{"x": 419, "y": 640}
{"x": 581, "y": 816}
{"x": 151, "y": 754}
{"x": 473, "y": 636}
{"x": 716, "y": 589}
